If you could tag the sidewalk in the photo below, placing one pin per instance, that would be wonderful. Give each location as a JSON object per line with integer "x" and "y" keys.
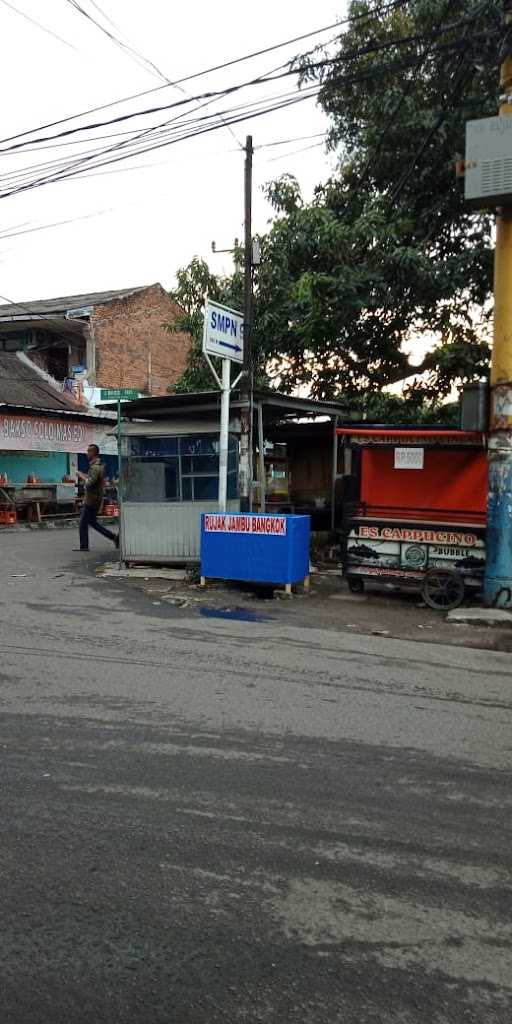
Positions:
{"x": 381, "y": 611}
{"x": 329, "y": 604}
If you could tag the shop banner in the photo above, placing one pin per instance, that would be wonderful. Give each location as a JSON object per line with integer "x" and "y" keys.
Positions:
{"x": 447, "y": 536}
{"x": 462, "y": 439}
{"x": 32, "y": 433}
{"x": 270, "y": 526}
{"x": 375, "y": 549}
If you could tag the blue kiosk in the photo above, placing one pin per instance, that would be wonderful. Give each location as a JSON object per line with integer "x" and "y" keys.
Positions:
{"x": 255, "y": 548}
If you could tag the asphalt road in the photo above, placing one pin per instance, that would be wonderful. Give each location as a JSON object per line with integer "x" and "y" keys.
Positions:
{"x": 206, "y": 820}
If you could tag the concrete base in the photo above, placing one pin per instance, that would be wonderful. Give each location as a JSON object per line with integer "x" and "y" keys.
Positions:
{"x": 481, "y": 616}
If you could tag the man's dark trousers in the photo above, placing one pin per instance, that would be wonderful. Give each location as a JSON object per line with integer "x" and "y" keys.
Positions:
{"x": 89, "y": 518}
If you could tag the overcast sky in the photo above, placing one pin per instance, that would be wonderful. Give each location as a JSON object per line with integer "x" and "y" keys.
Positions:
{"x": 157, "y": 217}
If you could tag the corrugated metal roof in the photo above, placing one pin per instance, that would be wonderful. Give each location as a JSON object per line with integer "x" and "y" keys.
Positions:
{"x": 63, "y": 303}
{"x": 21, "y": 385}
{"x": 204, "y": 401}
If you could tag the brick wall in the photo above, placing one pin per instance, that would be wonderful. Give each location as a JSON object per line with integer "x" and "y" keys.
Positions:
{"x": 131, "y": 347}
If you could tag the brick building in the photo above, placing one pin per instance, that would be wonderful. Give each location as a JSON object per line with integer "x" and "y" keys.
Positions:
{"x": 109, "y": 339}
{"x": 43, "y": 431}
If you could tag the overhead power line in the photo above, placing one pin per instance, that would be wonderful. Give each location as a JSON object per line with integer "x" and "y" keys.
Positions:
{"x": 139, "y": 57}
{"x": 38, "y": 24}
{"x": 175, "y": 126}
{"x": 369, "y": 72}
{"x": 180, "y": 128}
{"x": 297, "y": 98}
{"x": 54, "y": 224}
{"x": 13, "y": 230}
{"x": 17, "y": 230}
{"x": 104, "y": 14}
{"x": 287, "y": 142}
{"x": 135, "y": 54}
{"x": 294, "y": 152}
{"x": 102, "y": 158}
{"x": 367, "y": 16}
{"x": 70, "y": 142}
{"x": 121, "y": 118}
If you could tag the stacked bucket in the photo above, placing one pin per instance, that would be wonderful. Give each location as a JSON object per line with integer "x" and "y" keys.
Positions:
{"x": 7, "y": 508}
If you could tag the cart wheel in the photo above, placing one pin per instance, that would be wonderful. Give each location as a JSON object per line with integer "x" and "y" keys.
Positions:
{"x": 443, "y": 589}
{"x": 355, "y": 584}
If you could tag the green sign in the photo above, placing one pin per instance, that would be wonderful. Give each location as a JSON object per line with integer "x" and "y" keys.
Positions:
{"x": 113, "y": 394}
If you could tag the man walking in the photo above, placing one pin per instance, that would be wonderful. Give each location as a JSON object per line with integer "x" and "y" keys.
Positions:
{"x": 93, "y": 498}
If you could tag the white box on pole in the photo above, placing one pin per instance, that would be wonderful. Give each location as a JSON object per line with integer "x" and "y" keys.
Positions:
{"x": 488, "y": 163}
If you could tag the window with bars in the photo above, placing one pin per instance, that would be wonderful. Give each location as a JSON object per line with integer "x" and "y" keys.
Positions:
{"x": 179, "y": 469}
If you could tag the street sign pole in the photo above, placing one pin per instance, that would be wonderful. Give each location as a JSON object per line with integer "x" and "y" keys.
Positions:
{"x": 119, "y": 475}
{"x": 224, "y": 435}
{"x": 223, "y": 337}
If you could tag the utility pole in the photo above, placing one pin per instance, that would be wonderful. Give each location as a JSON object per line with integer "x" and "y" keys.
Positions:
{"x": 245, "y": 472}
{"x": 248, "y": 252}
{"x": 498, "y": 579}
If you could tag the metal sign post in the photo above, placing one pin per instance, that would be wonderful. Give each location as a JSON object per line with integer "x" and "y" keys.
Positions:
{"x": 119, "y": 476}
{"x": 223, "y": 336}
{"x": 224, "y": 435}
{"x": 119, "y": 395}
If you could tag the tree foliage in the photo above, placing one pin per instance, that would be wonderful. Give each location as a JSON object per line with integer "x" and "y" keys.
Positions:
{"x": 413, "y": 407}
{"x": 387, "y": 256}
{"x": 387, "y": 251}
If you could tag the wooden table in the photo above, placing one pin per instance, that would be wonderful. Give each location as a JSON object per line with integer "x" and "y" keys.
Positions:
{"x": 33, "y": 497}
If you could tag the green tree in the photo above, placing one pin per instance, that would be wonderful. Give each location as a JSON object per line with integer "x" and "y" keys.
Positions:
{"x": 387, "y": 251}
{"x": 411, "y": 407}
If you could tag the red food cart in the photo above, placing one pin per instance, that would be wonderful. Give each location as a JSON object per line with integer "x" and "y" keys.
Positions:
{"x": 420, "y": 514}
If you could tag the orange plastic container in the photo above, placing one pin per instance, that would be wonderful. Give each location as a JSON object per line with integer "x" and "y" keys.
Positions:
{"x": 7, "y": 516}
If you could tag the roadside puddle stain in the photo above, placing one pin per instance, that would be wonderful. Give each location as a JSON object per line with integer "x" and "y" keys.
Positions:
{"x": 238, "y": 614}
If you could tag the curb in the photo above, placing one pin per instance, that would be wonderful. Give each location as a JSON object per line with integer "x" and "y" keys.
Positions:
{"x": 481, "y": 617}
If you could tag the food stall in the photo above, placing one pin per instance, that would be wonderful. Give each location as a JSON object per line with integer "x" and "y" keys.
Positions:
{"x": 170, "y": 474}
{"x": 255, "y": 548}
{"x": 419, "y": 517}
{"x": 35, "y": 496}
{"x": 38, "y": 460}
{"x": 43, "y": 432}
{"x": 170, "y": 466}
